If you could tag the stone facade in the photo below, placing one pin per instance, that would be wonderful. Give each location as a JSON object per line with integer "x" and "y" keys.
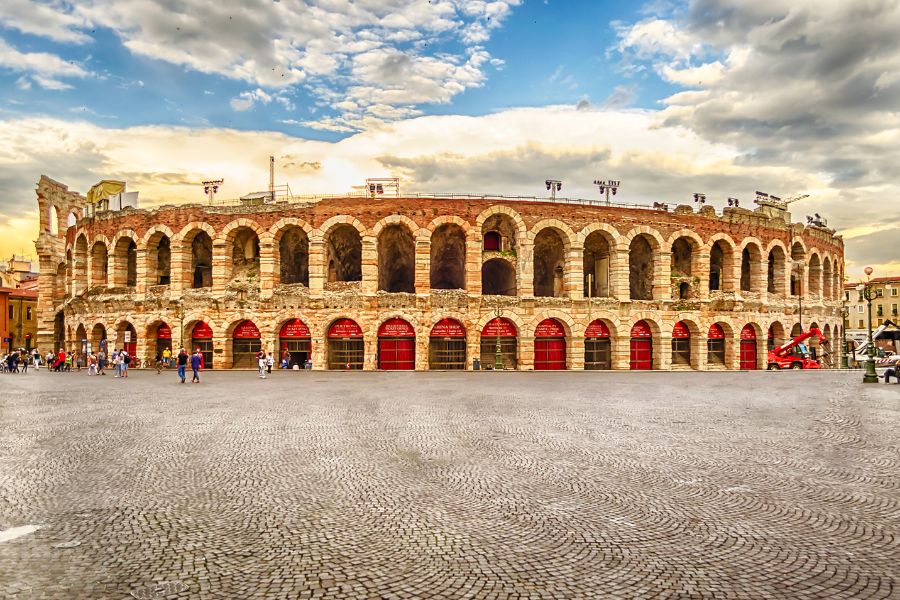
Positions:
{"x": 426, "y": 259}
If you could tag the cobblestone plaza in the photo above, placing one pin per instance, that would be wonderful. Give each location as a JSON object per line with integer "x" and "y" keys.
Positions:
{"x": 442, "y": 485}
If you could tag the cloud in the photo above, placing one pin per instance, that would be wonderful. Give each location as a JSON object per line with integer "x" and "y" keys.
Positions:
{"x": 394, "y": 53}
{"x": 247, "y": 100}
{"x": 41, "y": 68}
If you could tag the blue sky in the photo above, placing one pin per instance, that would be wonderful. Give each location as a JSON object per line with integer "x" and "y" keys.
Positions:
{"x": 671, "y": 97}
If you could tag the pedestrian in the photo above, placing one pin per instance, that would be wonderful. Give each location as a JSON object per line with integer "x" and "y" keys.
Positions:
{"x": 69, "y": 358}
{"x": 114, "y": 357}
{"x": 891, "y": 372}
{"x": 124, "y": 361}
{"x": 181, "y": 362}
{"x": 270, "y": 362}
{"x": 166, "y": 356}
{"x": 92, "y": 364}
{"x": 36, "y": 356}
{"x": 78, "y": 360}
{"x": 101, "y": 362}
{"x": 159, "y": 362}
{"x": 23, "y": 360}
{"x": 261, "y": 362}
{"x": 196, "y": 362}
{"x": 308, "y": 364}
{"x": 51, "y": 360}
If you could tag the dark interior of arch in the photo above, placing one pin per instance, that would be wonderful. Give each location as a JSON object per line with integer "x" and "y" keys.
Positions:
{"x": 596, "y": 263}
{"x": 99, "y": 263}
{"x": 201, "y": 261}
{"x": 293, "y": 251}
{"x": 797, "y": 252}
{"x": 344, "y": 254}
{"x": 815, "y": 275}
{"x": 245, "y": 254}
{"x": 448, "y": 258}
{"x": 716, "y": 267}
{"x": 682, "y": 255}
{"x": 59, "y": 330}
{"x": 163, "y": 260}
{"x": 640, "y": 269}
{"x": 505, "y": 227}
{"x": 774, "y": 269}
{"x": 498, "y": 278}
{"x": 746, "y": 271}
{"x": 396, "y": 260}
{"x": 549, "y": 264}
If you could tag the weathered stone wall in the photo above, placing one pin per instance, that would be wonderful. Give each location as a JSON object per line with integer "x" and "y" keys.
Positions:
{"x": 257, "y": 265}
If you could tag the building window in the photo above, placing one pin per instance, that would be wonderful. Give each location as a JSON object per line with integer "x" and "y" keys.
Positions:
{"x": 681, "y": 351}
{"x": 11, "y": 313}
{"x": 28, "y": 312}
{"x": 715, "y": 348}
{"x": 894, "y": 309}
{"x": 893, "y": 291}
{"x": 861, "y": 324}
{"x": 880, "y": 310}
{"x": 880, "y": 322}
{"x": 860, "y": 309}
{"x": 879, "y": 293}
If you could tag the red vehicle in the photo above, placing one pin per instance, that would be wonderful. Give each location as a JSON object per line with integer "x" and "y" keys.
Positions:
{"x": 795, "y": 355}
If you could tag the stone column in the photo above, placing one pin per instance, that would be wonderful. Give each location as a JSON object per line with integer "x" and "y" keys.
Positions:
{"x": 621, "y": 350}
{"x": 369, "y": 266}
{"x": 316, "y": 266}
{"x": 473, "y": 266}
{"x": 141, "y": 271}
{"x": 702, "y": 273}
{"x": 662, "y": 276}
{"x": 619, "y": 273}
{"x": 267, "y": 276}
{"x": 662, "y": 350}
{"x": 575, "y": 351}
{"x": 575, "y": 272}
{"x": 221, "y": 271}
{"x": 179, "y": 279}
{"x": 525, "y": 269}
{"x": 423, "y": 266}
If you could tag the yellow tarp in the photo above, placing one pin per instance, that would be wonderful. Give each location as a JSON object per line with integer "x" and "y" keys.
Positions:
{"x": 105, "y": 189}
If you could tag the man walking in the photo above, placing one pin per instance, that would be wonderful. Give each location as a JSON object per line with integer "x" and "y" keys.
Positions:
{"x": 261, "y": 362}
{"x": 195, "y": 366}
{"x": 181, "y": 361}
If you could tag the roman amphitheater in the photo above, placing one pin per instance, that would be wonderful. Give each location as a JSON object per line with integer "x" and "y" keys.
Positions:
{"x": 455, "y": 282}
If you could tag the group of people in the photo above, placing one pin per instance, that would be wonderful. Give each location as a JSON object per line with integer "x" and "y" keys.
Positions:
{"x": 16, "y": 361}
{"x": 182, "y": 360}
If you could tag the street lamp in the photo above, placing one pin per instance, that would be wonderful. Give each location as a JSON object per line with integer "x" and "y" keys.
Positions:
{"x": 845, "y": 313}
{"x": 867, "y": 293}
{"x": 498, "y": 358}
{"x": 700, "y": 199}
{"x": 211, "y": 187}
{"x": 607, "y": 186}
{"x": 553, "y": 185}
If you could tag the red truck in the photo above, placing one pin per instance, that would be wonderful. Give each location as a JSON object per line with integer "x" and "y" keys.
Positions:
{"x": 794, "y": 355}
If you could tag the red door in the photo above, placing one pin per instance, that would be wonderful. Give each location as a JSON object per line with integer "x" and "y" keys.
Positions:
{"x": 549, "y": 346}
{"x": 748, "y": 348}
{"x": 396, "y": 346}
{"x": 641, "y": 347}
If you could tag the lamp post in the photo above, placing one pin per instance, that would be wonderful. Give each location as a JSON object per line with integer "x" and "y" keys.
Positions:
{"x": 498, "y": 358}
{"x": 553, "y": 186}
{"x": 607, "y": 186}
{"x": 845, "y": 313}
{"x": 867, "y": 293}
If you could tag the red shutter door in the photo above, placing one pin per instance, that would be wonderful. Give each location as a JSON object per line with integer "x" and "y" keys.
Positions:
{"x": 397, "y": 354}
{"x": 748, "y": 354}
{"x": 550, "y": 354}
{"x": 641, "y": 354}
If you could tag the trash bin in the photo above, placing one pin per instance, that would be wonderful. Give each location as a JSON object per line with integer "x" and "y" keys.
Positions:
{"x": 476, "y": 364}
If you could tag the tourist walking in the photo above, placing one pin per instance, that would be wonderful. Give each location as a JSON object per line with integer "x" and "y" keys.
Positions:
{"x": 36, "y": 357}
{"x": 261, "y": 361}
{"x": 101, "y": 362}
{"x": 181, "y": 362}
{"x": 270, "y": 362}
{"x": 124, "y": 361}
{"x": 196, "y": 361}
{"x": 116, "y": 361}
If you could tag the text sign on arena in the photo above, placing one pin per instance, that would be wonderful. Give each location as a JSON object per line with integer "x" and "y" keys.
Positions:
{"x": 295, "y": 329}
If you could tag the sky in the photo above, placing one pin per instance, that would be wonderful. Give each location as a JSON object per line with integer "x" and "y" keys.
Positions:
{"x": 671, "y": 98}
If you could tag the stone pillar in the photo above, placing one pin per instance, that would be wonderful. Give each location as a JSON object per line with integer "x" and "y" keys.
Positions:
{"x": 702, "y": 273}
{"x": 221, "y": 271}
{"x": 701, "y": 351}
{"x": 619, "y": 280}
{"x": 473, "y": 266}
{"x": 662, "y": 350}
{"x": 316, "y": 266}
{"x": 371, "y": 344}
{"x": 224, "y": 359}
{"x": 621, "y": 350}
{"x": 525, "y": 269}
{"x": 526, "y": 351}
{"x": 575, "y": 350}
{"x": 141, "y": 271}
{"x": 267, "y": 275}
{"x": 423, "y": 266}
{"x": 422, "y": 351}
{"x": 179, "y": 269}
{"x": 575, "y": 272}
{"x": 369, "y": 266}
{"x": 662, "y": 276}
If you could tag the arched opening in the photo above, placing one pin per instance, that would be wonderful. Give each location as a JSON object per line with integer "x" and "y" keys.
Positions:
{"x": 245, "y": 345}
{"x": 162, "y": 333}
{"x": 774, "y": 336}
{"x": 52, "y": 220}
{"x": 681, "y": 345}
{"x": 641, "y": 356}
{"x": 82, "y": 342}
{"x": 498, "y": 278}
{"x": 126, "y": 338}
{"x": 815, "y": 275}
{"x": 597, "y": 260}
{"x": 640, "y": 269}
{"x": 346, "y": 348}
{"x": 798, "y": 260}
{"x": 750, "y": 258}
{"x": 295, "y": 341}
{"x": 244, "y": 254}
{"x": 99, "y": 264}
{"x": 80, "y": 277}
{"x": 59, "y": 331}
{"x": 396, "y": 260}
{"x": 343, "y": 254}
{"x": 828, "y": 287}
{"x": 447, "y": 346}
{"x": 715, "y": 345}
{"x": 775, "y": 271}
{"x": 293, "y": 256}
{"x": 396, "y": 346}
{"x": 202, "y": 340}
{"x": 71, "y": 220}
{"x": 549, "y": 346}
{"x": 719, "y": 266}
{"x": 499, "y": 234}
{"x": 748, "y": 355}
{"x": 796, "y": 330}
{"x": 159, "y": 259}
{"x": 549, "y": 264}
{"x": 98, "y": 339}
{"x": 499, "y": 345}
{"x": 597, "y": 347}
{"x": 201, "y": 259}
{"x": 683, "y": 267}
{"x": 448, "y": 257}
{"x": 125, "y": 263}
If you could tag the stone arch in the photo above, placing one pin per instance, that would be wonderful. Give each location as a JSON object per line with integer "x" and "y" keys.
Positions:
{"x": 697, "y": 339}
{"x": 414, "y": 229}
{"x": 290, "y": 244}
{"x": 814, "y": 286}
{"x": 448, "y": 256}
{"x": 643, "y": 249}
{"x": 827, "y": 279}
{"x": 157, "y": 244}
{"x": 751, "y": 264}
{"x": 728, "y": 327}
{"x": 438, "y": 222}
{"x": 99, "y": 262}
{"x": 600, "y": 259}
{"x": 549, "y": 251}
{"x": 498, "y": 278}
{"x": 195, "y": 242}
{"x": 242, "y": 240}
{"x": 396, "y": 244}
{"x": 519, "y": 227}
{"x": 343, "y": 248}
{"x": 686, "y": 247}
{"x": 776, "y": 269}
{"x": 52, "y": 219}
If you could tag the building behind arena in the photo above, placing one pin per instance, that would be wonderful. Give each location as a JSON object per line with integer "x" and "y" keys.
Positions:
{"x": 434, "y": 282}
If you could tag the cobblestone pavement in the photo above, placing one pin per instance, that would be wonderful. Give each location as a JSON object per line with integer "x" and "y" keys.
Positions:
{"x": 440, "y": 485}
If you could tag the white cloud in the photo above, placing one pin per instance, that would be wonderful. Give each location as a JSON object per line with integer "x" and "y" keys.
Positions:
{"x": 41, "y": 68}
{"x": 247, "y": 100}
{"x": 46, "y": 20}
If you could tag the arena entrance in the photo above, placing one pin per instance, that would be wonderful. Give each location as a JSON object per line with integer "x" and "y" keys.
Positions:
{"x": 245, "y": 344}
{"x": 748, "y": 348}
{"x": 295, "y": 341}
{"x": 549, "y": 346}
{"x": 202, "y": 340}
{"x": 641, "y": 347}
{"x": 447, "y": 346}
{"x": 597, "y": 347}
{"x": 346, "y": 349}
{"x": 499, "y": 332}
{"x": 396, "y": 346}
{"x": 163, "y": 338}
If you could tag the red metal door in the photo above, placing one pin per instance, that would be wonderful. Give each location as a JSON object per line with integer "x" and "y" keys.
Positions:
{"x": 550, "y": 354}
{"x": 397, "y": 354}
{"x": 748, "y": 354}
{"x": 641, "y": 354}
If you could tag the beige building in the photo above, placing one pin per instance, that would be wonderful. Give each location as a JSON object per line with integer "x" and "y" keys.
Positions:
{"x": 885, "y": 307}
